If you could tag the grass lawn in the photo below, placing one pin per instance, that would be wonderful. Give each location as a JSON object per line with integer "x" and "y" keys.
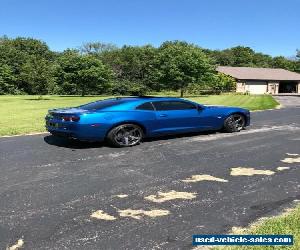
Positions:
{"x": 288, "y": 223}
{"x": 25, "y": 114}
{"x": 251, "y": 102}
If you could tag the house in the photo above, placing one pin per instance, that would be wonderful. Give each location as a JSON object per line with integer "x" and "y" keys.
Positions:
{"x": 263, "y": 80}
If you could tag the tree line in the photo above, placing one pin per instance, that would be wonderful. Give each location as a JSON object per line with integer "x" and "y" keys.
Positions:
{"x": 28, "y": 66}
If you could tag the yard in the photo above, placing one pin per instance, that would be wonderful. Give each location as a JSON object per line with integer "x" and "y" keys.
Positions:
{"x": 288, "y": 223}
{"x": 25, "y": 114}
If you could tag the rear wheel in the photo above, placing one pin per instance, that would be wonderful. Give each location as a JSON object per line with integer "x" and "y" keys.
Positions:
{"x": 234, "y": 123}
{"x": 125, "y": 135}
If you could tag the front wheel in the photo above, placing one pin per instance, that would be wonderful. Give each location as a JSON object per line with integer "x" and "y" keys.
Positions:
{"x": 125, "y": 135}
{"x": 234, "y": 123}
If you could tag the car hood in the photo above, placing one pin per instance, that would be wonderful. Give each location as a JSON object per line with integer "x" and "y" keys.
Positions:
{"x": 226, "y": 108}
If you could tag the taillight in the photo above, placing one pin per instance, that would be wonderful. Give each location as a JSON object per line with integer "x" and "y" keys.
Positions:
{"x": 71, "y": 118}
{"x": 75, "y": 118}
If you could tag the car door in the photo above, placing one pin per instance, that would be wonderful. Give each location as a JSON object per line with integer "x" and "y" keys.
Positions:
{"x": 176, "y": 116}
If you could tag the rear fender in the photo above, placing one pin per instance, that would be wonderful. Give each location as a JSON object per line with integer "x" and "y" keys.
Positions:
{"x": 127, "y": 122}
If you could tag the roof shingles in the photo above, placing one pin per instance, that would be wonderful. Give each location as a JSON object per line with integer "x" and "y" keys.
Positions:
{"x": 247, "y": 73}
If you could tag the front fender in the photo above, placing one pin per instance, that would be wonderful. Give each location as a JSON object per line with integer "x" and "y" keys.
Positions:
{"x": 243, "y": 112}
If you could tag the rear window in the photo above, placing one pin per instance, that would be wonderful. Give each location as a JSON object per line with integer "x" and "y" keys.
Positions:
{"x": 145, "y": 106}
{"x": 101, "y": 104}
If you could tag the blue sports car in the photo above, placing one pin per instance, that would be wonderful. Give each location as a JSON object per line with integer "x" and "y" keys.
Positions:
{"x": 125, "y": 121}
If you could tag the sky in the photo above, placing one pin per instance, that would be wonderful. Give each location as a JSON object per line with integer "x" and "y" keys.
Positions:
{"x": 267, "y": 26}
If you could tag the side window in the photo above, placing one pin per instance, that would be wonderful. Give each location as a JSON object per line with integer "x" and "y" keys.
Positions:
{"x": 173, "y": 105}
{"x": 145, "y": 106}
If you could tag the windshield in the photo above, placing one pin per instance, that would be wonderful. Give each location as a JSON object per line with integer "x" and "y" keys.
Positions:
{"x": 101, "y": 104}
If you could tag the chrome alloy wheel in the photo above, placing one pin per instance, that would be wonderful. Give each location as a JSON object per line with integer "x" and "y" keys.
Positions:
{"x": 127, "y": 135}
{"x": 236, "y": 122}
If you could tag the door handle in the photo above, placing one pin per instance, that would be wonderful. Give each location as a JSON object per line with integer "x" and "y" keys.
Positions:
{"x": 163, "y": 115}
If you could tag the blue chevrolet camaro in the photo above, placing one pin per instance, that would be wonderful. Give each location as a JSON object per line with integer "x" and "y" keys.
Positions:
{"x": 125, "y": 121}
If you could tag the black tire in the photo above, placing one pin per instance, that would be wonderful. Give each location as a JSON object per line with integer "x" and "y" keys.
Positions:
{"x": 125, "y": 135}
{"x": 234, "y": 123}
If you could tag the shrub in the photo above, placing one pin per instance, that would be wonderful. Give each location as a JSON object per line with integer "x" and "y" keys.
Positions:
{"x": 223, "y": 83}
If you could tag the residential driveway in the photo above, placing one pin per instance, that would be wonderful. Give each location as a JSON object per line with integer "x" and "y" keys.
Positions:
{"x": 288, "y": 100}
{"x": 60, "y": 195}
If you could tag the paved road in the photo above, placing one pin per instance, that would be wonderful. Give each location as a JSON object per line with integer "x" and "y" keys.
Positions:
{"x": 50, "y": 188}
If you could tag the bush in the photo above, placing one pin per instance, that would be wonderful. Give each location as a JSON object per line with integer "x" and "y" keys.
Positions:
{"x": 223, "y": 83}
{"x": 200, "y": 88}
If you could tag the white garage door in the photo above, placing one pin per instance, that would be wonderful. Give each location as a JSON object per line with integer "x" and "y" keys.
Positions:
{"x": 256, "y": 87}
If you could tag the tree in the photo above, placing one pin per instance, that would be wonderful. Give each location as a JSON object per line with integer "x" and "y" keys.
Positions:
{"x": 182, "y": 64}
{"x": 32, "y": 46}
{"x": 133, "y": 63}
{"x": 29, "y": 61}
{"x": 97, "y": 47}
{"x": 262, "y": 60}
{"x": 28, "y": 66}
{"x": 283, "y": 63}
{"x": 82, "y": 74}
{"x": 236, "y": 56}
{"x": 223, "y": 57}
{"x": 242, "y": 56}
{"x": 36, "y": 76}
{"x": 297, "y": 62}
{"x": 222, "y": 83}
{"x": 7, "y": 79}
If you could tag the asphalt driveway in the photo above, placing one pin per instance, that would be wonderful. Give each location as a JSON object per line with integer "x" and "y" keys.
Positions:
{"x": 289, "y": 100}
{"x": 60, "y": 195}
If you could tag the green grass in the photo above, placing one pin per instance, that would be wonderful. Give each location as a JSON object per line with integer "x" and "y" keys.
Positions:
{"x": 288, "y": 223}
{"x": 25, "y": 114}
{"x": 252, "y": 102}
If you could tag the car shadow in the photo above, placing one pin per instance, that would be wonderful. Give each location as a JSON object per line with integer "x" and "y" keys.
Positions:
{"x": 71, "y": 143}
{"x": 76, "y": 144}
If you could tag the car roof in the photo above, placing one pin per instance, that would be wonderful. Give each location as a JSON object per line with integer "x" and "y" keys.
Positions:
{"x": 127, "y": 103}
{"x": 147, "y": 98}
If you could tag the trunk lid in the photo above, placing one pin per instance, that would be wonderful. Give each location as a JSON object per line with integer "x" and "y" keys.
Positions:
{"x": 58, "y": 114}
{"x": 67, "y": 111}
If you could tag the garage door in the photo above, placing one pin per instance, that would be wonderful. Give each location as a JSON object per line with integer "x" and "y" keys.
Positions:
{"x": 256, "y": 87}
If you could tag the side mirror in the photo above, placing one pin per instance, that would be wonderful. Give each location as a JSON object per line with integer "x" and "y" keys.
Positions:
{"x": 200, "y": 107}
